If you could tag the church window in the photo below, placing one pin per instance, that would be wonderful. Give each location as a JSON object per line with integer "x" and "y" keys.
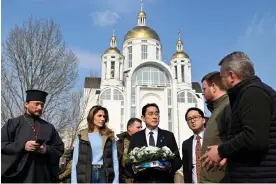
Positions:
{"x": 181, "y": 97}
{"x": 191, "y": 98}
{"x": 182, "y": 72}
{"x": 112, "y": 69}
{"x": 112, "y": 56}
{"x": 105, "y": 66}
{"x": 144, "y": 41}
{"x": 133, "y": 112}
{"x": 150, "y": 75}
{"x": 169, "y": 97}
{"x": 130, "y": 56}
{"x": 106, "y": 95}
{"x": 157, "y": 44}
{"x": 133, "y": 95}
{"x": 129, "y": 43}
{"x": 122, "y": 119}
{"x": 175, "y": 67}
{"x": 119, "y": 71}
{"x": 145, "y": 76}
{"x": 157, "y": 53}
{"x": 144, "y": 51}
{"x": 117, "y": 95}
{"x": 170, "y": 119}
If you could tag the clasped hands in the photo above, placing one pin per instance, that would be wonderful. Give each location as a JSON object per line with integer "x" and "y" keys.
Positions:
{"x": 211, "y": 158}
{"x": 35, "y": 147}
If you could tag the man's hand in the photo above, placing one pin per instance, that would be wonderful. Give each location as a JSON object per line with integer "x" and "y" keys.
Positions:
{"x": 42, "y": 149}
{"x": 211, "y": 158}
{"x": 138, "y": 169}
{"x": 222, "y": 163}
{"x": 31, "y": 146}
{"x": 213, "y": 154}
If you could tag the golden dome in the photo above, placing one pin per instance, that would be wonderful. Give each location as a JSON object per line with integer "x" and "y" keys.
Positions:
{"x": 112, "y": 51}
{"x": 141, "y": 14}
{"x": 141, "y": 32}
{"x": 180, "y": 55}
{"x": 113, "y": 38}
{"x": 179, "y": 42}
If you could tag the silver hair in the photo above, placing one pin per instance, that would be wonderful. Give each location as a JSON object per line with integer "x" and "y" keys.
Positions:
{"x": 239, "y": 63}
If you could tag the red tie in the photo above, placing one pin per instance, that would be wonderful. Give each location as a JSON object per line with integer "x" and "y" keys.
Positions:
{"x": 198, "y": 155}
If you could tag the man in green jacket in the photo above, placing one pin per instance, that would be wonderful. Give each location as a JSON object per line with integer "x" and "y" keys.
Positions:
{"x": 134, "y": 125}
{"x": 216, "y": 131}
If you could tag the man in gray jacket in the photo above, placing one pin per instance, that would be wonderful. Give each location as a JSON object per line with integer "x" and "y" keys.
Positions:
{"x": 216, "y": 131}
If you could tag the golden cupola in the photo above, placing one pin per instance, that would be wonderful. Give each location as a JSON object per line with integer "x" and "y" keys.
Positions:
{"x": 113, "y": 46}
{"x": 179, "y": 49}
{"x": 142, "y": 31}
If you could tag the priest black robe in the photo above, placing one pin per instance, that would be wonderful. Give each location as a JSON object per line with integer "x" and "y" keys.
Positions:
{"x": 18, "y": 165}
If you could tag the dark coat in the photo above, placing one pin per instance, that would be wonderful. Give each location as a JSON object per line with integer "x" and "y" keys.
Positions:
{"x": 151, "y": 175}
{"x": 187, "y": 154}
{"x": 84, "y": 166}
{"x": 251, "y": 148}
{"x": 18, "y": 165}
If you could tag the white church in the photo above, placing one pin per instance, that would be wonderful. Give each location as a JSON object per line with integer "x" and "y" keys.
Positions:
{"x": 136, "y": 75}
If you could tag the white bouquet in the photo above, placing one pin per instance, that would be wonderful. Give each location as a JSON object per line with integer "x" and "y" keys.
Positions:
{"x": 150, "y": 156}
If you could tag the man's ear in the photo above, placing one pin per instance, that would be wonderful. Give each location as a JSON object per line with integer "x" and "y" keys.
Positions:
{"x": 143, "y": 118}
{"x": 214, "y": 87}
{"x": 26, "y": 105}
{"x": 204, "y": 120}
{"x": 232, "y": 75}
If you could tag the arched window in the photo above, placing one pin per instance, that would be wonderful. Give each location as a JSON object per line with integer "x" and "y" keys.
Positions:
{"x": 181, "y": 97}
{"x": 191, "y": 98}
{"x": 106, "y": 95}
{"x": 117, "y": 95}
{"x": 150, "y": 75}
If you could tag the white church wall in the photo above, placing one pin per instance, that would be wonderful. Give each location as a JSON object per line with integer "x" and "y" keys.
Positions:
{"x": 155, "y": 95}
{"x": 136, "y": 45}
{"x": 114, "y": 111}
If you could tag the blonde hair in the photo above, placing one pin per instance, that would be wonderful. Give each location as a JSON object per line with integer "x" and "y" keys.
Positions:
{"x": 104, "y": 130}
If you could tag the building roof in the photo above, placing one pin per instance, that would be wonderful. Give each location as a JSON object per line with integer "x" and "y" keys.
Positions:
{"x": 142, "y": 32}
{"x": 92, "y": 82}
{"x": 196, "y": 86}
{"x": 180, "y": 54}
{"x": 112, "y": 51}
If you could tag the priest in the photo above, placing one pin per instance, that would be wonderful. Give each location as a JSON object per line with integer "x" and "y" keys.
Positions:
{"x": 30, "y": 146}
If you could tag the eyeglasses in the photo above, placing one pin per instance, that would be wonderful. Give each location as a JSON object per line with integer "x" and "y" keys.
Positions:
{"x": 153, "y": 113}
{"x": 196, "y": 118}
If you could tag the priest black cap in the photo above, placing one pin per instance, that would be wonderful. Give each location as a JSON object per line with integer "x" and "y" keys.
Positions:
{"x": 36, "y": 95}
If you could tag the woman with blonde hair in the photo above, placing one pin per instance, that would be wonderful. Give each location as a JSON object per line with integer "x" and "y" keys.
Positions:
{"x": 95, "y": 154}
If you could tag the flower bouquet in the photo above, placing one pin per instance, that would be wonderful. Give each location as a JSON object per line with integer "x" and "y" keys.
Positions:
{"x": 150, "y": 156}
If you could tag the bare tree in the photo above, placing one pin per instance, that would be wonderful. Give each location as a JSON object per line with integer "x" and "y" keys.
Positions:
{"x": 81, "y": 102}
{"x": 34, "y": 56}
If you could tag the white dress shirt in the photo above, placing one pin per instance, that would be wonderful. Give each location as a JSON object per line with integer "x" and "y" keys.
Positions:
{"x": 155, "y": 134}
{"x": 201, "y": 134}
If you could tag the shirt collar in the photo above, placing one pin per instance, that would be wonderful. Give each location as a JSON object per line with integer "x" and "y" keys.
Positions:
{"x": 201, "y": 134}
{"x": 155, "y": 131}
